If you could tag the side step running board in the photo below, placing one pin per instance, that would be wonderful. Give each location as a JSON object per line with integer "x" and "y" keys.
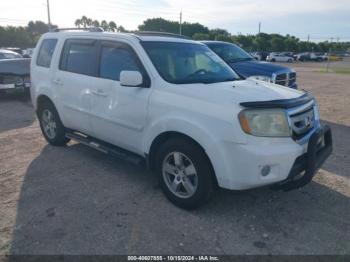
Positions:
{"x": 106, "y": 148}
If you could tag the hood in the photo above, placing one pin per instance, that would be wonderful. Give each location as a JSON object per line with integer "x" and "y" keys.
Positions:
{"x": 237, "y": 92}
{"x": 253, "y": 67}
{"x": 252, "y": 90}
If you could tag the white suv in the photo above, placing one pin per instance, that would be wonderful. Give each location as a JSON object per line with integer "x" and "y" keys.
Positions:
{"x": 175, "y": 105}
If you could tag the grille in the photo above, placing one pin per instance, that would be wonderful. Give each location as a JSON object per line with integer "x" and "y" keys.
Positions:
{"x": 285, "y": 79}
{"x": 292, "y": 78}
{"x": 302, "y": 120}
{"x": 281, "y": 79}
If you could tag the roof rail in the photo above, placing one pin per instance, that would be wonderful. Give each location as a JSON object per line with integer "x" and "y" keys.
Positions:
{"x": 89, "y": 29}
{"x": 154, "y": 33}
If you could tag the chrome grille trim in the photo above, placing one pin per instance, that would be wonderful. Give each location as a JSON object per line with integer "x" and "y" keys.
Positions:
{"x": 302, "y": 121}
{"x": 284, "y": 78}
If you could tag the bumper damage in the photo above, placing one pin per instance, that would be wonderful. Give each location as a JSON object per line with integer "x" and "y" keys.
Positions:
{"x": 319, "y": 148}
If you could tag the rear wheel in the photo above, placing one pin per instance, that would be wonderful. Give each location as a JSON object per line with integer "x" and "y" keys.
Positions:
{"x": 273, "y": 60}
{"x": 184, "y": 173}
{"x": 51, "y": 125}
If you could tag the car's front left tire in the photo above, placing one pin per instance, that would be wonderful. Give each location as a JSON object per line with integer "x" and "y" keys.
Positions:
{"x": 184, "y": 173}
{"x": 51, "y": 125}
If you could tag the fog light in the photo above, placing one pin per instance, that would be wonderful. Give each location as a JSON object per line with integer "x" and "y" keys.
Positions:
{"x": 265, "y": 170}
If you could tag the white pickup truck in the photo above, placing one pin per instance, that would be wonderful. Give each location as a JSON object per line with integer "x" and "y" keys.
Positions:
{"x": 175, "y": 105}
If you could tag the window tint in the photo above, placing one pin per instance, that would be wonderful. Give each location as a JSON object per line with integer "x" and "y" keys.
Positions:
{"x": 81, "y": 58}
{"x": 46, "y": 51}
{"x": 114, "y": 60}
{"x": 185, "y": 63}
{"x": 230, "y": 53}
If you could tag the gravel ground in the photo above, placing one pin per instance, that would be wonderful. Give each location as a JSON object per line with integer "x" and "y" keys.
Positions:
{"x": 74, "y": 200}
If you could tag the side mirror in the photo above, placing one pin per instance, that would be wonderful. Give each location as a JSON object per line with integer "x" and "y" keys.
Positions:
{"x": 130, "y": 78}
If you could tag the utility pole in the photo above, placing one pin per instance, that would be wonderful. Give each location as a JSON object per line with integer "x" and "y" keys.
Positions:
{"x": 329, "y": 54}
{"x": 259, "y": 27}
{"x": 48, "y": 14}
{"x": 180, "y": 29}
{"x": 308, "y": 38}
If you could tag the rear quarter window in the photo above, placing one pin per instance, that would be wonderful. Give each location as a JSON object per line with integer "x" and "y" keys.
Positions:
{"x": 46, "y": 51}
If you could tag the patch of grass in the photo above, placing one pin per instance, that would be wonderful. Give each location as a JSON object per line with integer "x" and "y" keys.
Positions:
{"x": 335, "y": 70}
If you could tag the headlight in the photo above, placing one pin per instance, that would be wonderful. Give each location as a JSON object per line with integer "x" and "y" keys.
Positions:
{"x": 265, "y": 122}
{"x": 262, "y": 78}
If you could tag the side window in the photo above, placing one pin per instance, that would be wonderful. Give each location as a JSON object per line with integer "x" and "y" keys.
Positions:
{"x": 79, "y": 56}
{"x": 117, "y": 59}
{"x": 46, "y": 51}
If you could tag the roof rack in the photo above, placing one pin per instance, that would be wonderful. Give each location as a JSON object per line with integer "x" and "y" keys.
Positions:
{"x": 165, "y": 34}
{"x": 89, "y": 29}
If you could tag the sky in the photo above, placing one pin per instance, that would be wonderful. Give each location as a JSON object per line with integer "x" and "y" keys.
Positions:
{"x": 319, "y": 19}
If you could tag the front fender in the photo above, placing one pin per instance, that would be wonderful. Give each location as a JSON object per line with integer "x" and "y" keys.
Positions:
{"x": 211, "y": 139}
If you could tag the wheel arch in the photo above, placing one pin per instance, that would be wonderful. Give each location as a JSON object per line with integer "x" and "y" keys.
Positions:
{"x": 42, "y": 99}
{"x": 165, "y": 136}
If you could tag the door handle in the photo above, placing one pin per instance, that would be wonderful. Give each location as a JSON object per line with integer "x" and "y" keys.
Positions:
{"x": 99, "y": 92}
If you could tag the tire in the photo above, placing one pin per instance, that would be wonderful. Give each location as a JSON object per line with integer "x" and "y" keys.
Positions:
{"x": 192, "y": 171}
{"x": 273, "y": 60}
{"x": 51, "y": 125}
{"x": 290, "y": 60}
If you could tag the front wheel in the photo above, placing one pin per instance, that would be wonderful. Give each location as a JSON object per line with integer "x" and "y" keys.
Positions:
{"x": 51, "y": 125}
{"x": 184, "y": 173}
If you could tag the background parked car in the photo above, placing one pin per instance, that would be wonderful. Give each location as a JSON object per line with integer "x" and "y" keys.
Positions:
{"x": 246, "y": 66}
{"x": 7, "y": 54}
{"x": 15, "y": 76}
{"x": 279, "y": 57}
{"x": 311, "y": 56}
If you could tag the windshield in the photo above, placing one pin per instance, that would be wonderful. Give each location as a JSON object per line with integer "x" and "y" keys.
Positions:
{"x": 185, "y": 63}
{"x": 231, "y": 53}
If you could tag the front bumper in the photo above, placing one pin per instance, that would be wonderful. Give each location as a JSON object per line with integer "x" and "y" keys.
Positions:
{"x": 319, "y": 148}
{"x": 285, "y": 158}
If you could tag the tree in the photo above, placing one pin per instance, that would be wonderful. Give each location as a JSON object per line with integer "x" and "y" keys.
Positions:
{"x": 104, "y": 25}
{"x": 77, "y": 23}
{"x": 162, "y": 25}
{"x": 84, "y": 21}
{"x": 89, "y": 22}
{"x": 277, "y": 43}
{"x": 201, "y": 36}
{"x": 121, "y": 29}
{"x": 95, "y": 23}
{"x": 112, "y": 26}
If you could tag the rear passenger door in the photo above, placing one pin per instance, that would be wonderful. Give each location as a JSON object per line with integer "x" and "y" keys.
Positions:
{"x": 119, "y": 112}
{"x": 74, "y": 80}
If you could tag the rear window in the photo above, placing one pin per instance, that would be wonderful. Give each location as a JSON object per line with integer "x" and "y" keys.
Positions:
{"x": 80, "y": 57}
{"x": 46, "y": 51}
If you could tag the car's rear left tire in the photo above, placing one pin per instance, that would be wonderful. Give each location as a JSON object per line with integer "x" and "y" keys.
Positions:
{"x": 184, "y": 173}
{"x": 51, "y": 125}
